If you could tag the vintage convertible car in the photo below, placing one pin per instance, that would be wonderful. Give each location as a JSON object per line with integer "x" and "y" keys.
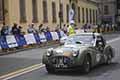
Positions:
{"x": 81, "y": 51}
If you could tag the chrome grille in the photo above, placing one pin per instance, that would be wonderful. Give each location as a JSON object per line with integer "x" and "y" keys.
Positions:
{"x": 62, "y": 60}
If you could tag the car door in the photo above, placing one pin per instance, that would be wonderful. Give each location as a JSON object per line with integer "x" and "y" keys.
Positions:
{"x": 100, "y": 45}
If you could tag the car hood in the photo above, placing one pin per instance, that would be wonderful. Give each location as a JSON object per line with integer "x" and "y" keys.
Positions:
{"x": 68, "y": 50}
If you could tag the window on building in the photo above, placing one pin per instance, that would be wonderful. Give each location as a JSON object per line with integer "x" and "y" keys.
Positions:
{"x": 106, "y": 9}
{"x": 22, "y": 11}
{"x": 90, "y": 15}
{"x": 61, "y": 10}
{"x": 87, "y": 15}
{"x": 118, "y": 4}
{"x": 45, "y": 12}
{"x": 79, "y": 14}
{"x": 83, "y": 15}
{"x": 67, "y": 11}
{"x": 94, "y": 16}
{"x": 34, "y": 11}
{"x": 1, "y": 10}
{"x": 54, "y": 12}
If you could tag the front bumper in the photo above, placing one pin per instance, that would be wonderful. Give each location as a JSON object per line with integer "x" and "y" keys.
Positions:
{"x": 62, "y": 63}
{"x": 72, "y": 68}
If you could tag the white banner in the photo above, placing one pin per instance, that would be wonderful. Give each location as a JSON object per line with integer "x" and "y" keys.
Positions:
{"x": 42, "y": 37}
{"x": 30, "y": 39}
{"x": 54, "y": 35}
{"x": 11, "y": 41}
{"x": 62, "y": 34}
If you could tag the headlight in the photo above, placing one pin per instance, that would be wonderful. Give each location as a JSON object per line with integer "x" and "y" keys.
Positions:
{"x": 63, "y": 39}
{"x": 75, "y": 54}
{"x": 49, "y": 52}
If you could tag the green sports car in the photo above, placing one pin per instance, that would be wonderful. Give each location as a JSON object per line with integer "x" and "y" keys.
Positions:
{"x": 81, "y": 51}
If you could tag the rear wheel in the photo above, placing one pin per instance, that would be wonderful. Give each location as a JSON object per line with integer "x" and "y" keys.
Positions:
{"x": 109, "y": 59}
{"x": 50, "y": 69}
{"x": 86, "y": 64}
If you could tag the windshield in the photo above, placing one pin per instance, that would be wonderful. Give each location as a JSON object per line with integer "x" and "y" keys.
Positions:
{"x": 81, "y": 39}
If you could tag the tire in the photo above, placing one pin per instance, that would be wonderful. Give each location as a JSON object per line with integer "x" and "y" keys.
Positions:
{"x": 109, "y": 59}
{"x": 50, "y": 69}
{"x": 86, "y": 65}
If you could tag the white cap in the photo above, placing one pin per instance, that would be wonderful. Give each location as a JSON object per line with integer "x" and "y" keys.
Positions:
{"x": 72, "y": 22}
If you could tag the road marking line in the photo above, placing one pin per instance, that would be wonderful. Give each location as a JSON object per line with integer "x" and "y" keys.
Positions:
{"x": 113, "y": 40}
{"x": 21, "y": 72}
{"x": 34, "y": 67}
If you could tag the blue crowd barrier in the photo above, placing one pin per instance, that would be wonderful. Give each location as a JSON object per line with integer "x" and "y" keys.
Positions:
{"x": 48, "y": 36}
{"x": 37, "y": 38}
{"x": 12, "y": 41}
{"x": 59, "y": 35}
{"x": 3, "y": 42}
{"x": 20, "y": 40}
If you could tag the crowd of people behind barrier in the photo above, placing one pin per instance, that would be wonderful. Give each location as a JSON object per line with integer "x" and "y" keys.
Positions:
{"x": 101, "y": 28}
{"x": 17, "y": 30}
{"x": 14, "y": 37}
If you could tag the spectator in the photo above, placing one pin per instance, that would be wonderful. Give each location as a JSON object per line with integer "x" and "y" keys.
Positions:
{"x": 31, "y": 29}
{"x": 5, "y": 30}
{"x": 57, "y": 28}
{"x": 89, "y": 26}
{"x": 40, "y": 28}
{"x": 65, "y": 28}
{"x": 62, "y": 33}
{"x": 9, "y": 29}
{"x": 85, "y": 27}
{"x": 107, "y": 26}
{"x": 98, "y": 28}
{"x": 70, "y": 29}
{"x": 47, "y": 29}
{"x": 15, "y": 29}
{"x": 20, "y": 30}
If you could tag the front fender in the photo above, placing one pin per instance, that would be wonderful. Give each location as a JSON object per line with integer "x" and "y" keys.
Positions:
{"x": 81, "y": 56}
{"x": 109, "y": 50}
{"x": 45, "y": 59}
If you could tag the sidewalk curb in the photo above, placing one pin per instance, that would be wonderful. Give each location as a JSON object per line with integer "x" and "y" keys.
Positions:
{"x": 26, "y": 49}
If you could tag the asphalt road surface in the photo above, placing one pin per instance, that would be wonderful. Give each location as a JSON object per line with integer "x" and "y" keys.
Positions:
{"x": 26, "y": 65}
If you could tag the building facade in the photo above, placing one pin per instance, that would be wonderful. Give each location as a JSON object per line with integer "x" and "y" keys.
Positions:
{"x": 118, "y": 14}
{"x": 107, "y": 11}
{"x": 47, "y": 12}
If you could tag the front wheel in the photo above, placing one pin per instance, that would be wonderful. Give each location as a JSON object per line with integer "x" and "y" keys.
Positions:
{"x": 50, "y": 69}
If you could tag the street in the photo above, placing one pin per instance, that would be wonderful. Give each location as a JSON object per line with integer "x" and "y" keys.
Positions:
{"x": 31, "y": 59}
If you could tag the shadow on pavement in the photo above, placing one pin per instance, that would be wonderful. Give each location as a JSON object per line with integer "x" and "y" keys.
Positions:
{"x": 96, "y": 71}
